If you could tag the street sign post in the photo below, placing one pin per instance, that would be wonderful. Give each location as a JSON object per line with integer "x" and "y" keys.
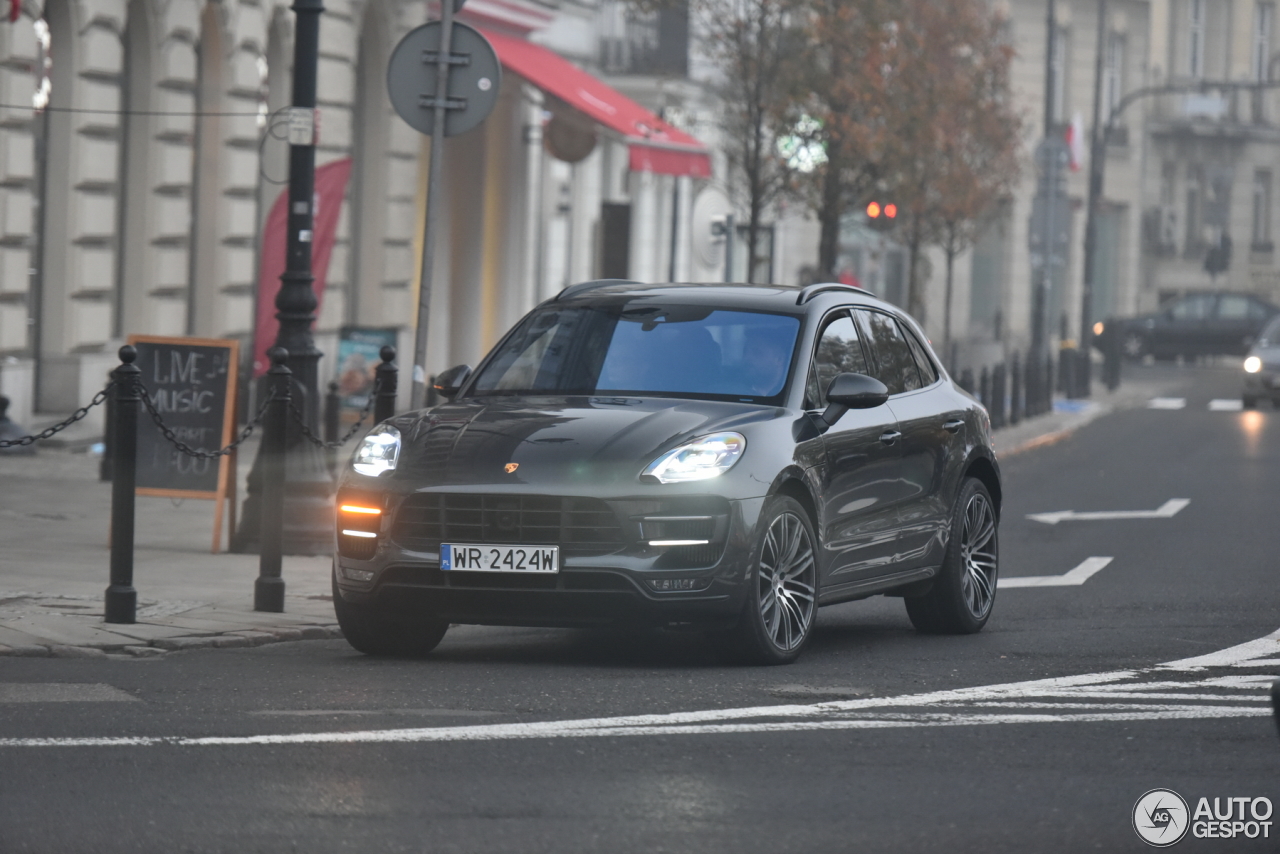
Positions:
{"x": 443, "y": 80}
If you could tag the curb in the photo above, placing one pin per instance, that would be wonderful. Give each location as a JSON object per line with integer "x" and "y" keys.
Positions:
{"x": 163, "y": 646}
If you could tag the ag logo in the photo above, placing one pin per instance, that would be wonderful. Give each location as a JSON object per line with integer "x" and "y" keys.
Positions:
{"x": 1161, "y": 818}
{"x": 510, "y": 467}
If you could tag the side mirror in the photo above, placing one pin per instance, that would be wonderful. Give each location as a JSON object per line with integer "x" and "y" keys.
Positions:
{"x": 853, "y": 391}
{"x": 448, "y": 383}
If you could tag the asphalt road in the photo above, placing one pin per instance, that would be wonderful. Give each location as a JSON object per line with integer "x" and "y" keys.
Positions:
{"x": 879, "y": 739}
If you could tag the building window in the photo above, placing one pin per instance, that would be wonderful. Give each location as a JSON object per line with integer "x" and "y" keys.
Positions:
{"x": 1195, "y": 46}
{"x": 1262, "y": 210}
{"x": 1059, "y": 63}
{"x": 1263, "y": 16}
{"x": 1113, "y": 73}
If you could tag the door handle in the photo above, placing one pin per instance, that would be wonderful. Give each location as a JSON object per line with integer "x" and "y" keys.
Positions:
{"x": 953, "y": 426}
{"x": 890, "y": 436}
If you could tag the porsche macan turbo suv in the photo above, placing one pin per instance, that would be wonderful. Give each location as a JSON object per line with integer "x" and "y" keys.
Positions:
{"x": 730, "y": 456}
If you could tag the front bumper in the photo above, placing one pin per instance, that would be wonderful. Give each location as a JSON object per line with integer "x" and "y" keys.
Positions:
{"x": 1265, "y": 383}
{"x": 634, "y": 583}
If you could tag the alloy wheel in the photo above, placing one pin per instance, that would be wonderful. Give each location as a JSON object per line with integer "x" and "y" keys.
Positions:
{"x": 978, "y": 555}
{"x": 787, "y": 577}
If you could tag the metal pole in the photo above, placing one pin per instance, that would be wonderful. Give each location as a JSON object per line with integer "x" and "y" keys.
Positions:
{"x": 729, "y": 228}
{"x": 384, "y": 405}
{"x": 121, "y": 598}
{"x": 268, "y": 589}
{"x": 309, "y": 510}
{"x": 418, "y": 398}
{"x": 1097, "y": 157}
{"x": 1049, "y": 45}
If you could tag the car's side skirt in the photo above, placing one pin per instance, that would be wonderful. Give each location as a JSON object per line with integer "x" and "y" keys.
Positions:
{"x": 872, "y": 586}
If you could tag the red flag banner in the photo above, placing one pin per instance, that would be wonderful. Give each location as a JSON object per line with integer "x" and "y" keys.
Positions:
{"x": 330, "y": 187}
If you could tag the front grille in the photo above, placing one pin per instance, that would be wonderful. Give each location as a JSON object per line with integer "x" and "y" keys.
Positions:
{"x": 582, "y": 527}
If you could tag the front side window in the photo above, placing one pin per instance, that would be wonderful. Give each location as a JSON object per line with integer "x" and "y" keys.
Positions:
{"x": 641, "y": 348}
{"x": 839, "y": 352}
{"x": 894, "y": 364}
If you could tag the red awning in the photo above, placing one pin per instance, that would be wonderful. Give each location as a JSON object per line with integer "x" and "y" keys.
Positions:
{"x": 655, "y": 145}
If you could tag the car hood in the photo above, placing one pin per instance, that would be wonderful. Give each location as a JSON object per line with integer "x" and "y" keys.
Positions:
{"x": 555, "y": 441}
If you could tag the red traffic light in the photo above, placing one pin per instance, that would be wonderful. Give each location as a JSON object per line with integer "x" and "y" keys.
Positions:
{"x": 873, "y": 210}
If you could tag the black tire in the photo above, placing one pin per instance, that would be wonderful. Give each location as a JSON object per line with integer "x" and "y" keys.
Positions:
{"x": 377, "y": 631}
{"x": 1249, "y": 401}
{"x": 778, "y": 616}
{"x": 964, "y": 592}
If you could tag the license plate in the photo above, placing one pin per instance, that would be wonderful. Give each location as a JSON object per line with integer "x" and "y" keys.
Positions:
{"x": 478, "y": 558}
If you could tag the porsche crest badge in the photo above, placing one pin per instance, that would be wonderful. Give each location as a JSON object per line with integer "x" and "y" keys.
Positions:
{"x": 510, "y": 467}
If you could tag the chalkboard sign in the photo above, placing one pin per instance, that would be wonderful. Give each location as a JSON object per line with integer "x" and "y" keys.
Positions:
{"x": 192, "y": 383}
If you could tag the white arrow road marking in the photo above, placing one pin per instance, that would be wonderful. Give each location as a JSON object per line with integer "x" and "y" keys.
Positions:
{"x": 1233, "y": 404}
{"x": 1167, "y": 403}
{"x": 1082, "y": 573}
{"x": 1057, "y": 700}
{"x": 1166, "y": 511}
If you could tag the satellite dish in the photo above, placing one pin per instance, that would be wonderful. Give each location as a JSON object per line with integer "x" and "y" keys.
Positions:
{"x": 710, "y": 209}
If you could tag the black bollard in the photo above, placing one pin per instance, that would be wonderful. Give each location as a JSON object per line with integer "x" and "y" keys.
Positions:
{"x": 1050, "y": 377}
{"x": 966, "y": 380}
{"x": 984, "y": 387}
{"x": 1111, "y": 360}
{"x": 122, "y": 599}
{"x": 997, "y": 406}
{"x": 268, "y": 589}
{"x": 384, "y": 406}
{"x": 1015, "y": 392}
{"x": 332, "y": 424}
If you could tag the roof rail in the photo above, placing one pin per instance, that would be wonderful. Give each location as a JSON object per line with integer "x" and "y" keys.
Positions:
{"x": 583, "y": 287}
{"x": 811, "y": 291}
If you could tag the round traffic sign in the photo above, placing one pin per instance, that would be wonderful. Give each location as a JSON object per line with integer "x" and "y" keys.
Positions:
{"x": 474, "y": 78}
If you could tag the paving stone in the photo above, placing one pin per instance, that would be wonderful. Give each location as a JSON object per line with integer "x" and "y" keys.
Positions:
{"x": 29, "y": 650}
{"x": 62, "y": 651}
{"x": 256, "y": 638}
{"x": 144, "y": 651}
{"x": 185, "y": 643}
{"x": 230, "y": 641}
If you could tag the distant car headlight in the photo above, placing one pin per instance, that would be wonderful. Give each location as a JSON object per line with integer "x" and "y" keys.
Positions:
{"x": 1099, "y": 328}
{"x": 378, "y": 452}
{"x": 1252, "y": 365}
{"x": 709, "y": 456}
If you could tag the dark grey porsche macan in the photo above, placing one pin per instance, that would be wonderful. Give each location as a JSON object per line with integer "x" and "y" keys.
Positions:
{"x": 725, "y": 456}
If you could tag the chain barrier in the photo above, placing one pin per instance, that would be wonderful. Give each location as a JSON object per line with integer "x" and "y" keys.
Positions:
{"x": 80, "y": 413}
{"x": 193, "y": 452}
{"x": 355, "y": 428}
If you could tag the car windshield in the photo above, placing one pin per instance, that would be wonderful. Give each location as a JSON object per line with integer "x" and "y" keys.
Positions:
{"x": 645, "y": 349}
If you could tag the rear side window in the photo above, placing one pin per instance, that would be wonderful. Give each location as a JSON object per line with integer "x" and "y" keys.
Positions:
{"x": 928, "y": 374}
{"x": 839, "y": 352}
{"x": 894, "y": 364}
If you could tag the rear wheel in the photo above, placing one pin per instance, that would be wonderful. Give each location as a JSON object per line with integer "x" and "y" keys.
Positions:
{"x": 964, "y": 592}
{"x": 375, "y": 630}
{"x": 782, "y": 587}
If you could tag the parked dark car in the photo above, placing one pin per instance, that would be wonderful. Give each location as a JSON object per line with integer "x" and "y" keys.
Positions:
{"x": 725, "y": 456}
{"x": 1262, "y": 368}
{"x": 1196, "y": 324}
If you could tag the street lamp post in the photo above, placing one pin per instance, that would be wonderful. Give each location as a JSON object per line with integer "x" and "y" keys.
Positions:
{"x": 308, "y": 484}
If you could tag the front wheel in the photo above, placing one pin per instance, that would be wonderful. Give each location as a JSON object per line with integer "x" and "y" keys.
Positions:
{"x": 962, "y": 596}
{"x": 1133, "y": 345}
{"x": 782, "y": 586}
{"x": 379, "y": 631}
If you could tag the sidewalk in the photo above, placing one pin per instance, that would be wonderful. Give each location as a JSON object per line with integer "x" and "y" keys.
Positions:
{"x": 54, "y": 562}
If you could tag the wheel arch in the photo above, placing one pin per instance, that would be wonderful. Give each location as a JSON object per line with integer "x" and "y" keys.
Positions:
{"x": 793, "y": 485}
{"x": 985, "y": 470}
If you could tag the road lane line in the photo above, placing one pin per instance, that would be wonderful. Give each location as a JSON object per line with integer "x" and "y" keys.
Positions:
{"x": 1167, "y": 510}
{"x": 1167, "y": 403}
{"x": 1082, "y": 573}
{"x": 1232, "y": 404}
{"x": 956, "y": 707}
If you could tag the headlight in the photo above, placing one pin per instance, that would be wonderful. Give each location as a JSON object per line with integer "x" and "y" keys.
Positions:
{"x": 710, "y": 456}
{"x": 1252, "y": 365}
{"x": 1099, "y": 328}
{"x": 378, "y": 452}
